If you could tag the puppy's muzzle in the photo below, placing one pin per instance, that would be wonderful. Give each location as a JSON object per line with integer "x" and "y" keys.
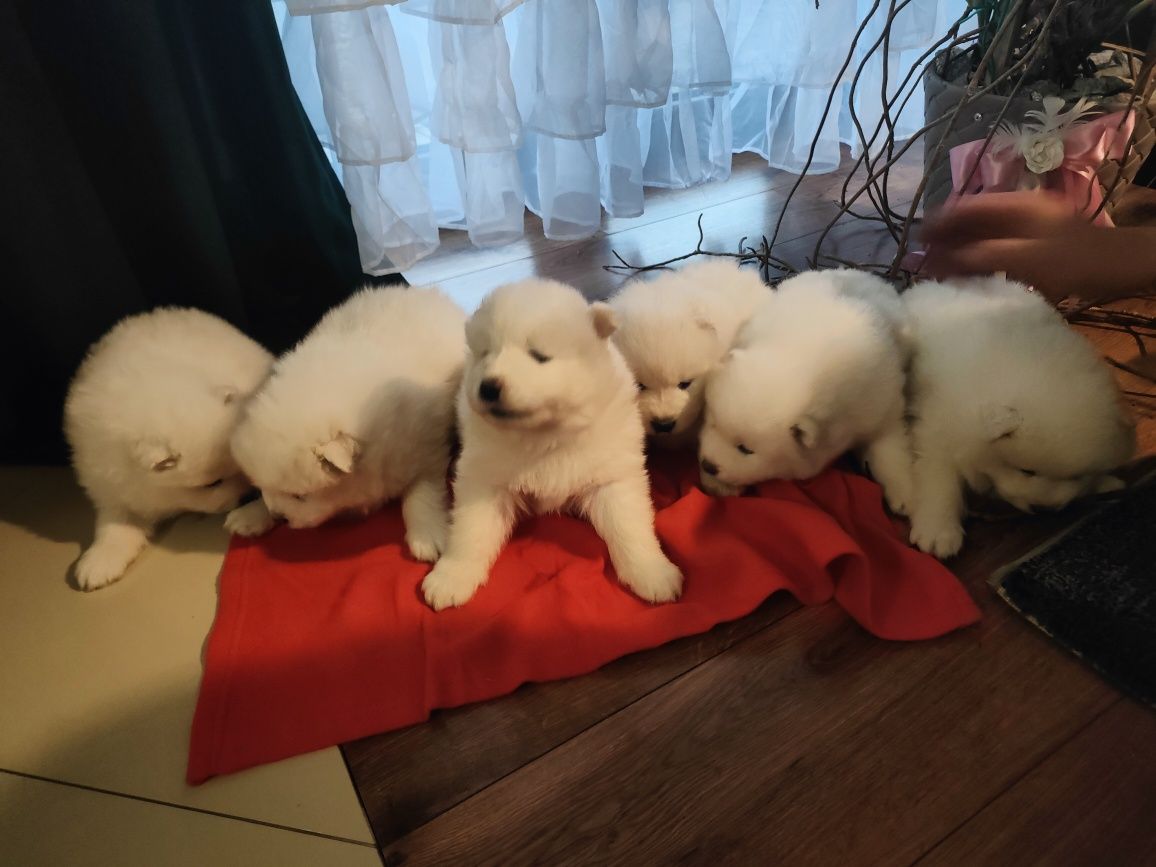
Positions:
{"x": 709, "y": 468}
{"x": 662, "y": 425}
{"x": 490, "y": 390}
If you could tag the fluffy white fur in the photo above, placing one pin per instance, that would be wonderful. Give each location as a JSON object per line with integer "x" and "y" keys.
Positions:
{"x": 1005, "y": 399}
{"x": 360, "y": 412}
{"x": 673, "y": 329}
{"x": 818, "y": 370}
{"x": 548, "y": 422}
{"x": 148, "y": 417}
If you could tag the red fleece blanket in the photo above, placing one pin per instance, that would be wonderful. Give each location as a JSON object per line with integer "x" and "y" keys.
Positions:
{"x": 322, "y": 637}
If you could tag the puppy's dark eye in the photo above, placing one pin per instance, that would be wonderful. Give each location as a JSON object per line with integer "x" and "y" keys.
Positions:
{"x": 1031, "y": 474}
{"x": 744, "y": 449}
{"x": 539, "y": 357}
{"x": 213, "y": 484}
{"x": 641, "y": 387}
{"x": 685, "y": 384}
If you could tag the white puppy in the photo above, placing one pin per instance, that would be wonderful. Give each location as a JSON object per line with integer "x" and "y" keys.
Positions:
{"x": 548, "y": 422}
{"x": 360, "y": 412}
{"x": 148, "y": 416}
{"x": 674, "y": 329}
{"x": 818, "y": 370}
{"x": 1005, "y": 398}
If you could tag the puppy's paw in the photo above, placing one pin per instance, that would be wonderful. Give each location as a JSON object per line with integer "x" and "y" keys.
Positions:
{"x": 251, "y": 519}
{"x": 656, "y": 581}
{"x": 450, "y": 584}
{"x": 1109, "y": 485}
{"x": 100, "y": 566}
{"x": 897, "y": 504}
{"x": 898, "y": 498}
{"x": 715, "y": 488}
{"x": 427, "y": 543}
{"x": 942, "y": 539}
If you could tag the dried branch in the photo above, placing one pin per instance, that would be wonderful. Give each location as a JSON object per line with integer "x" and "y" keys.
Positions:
{"x": 823, "y": 121}
{"x": 761, "y": 254}
{"x": 1127, "y": 368}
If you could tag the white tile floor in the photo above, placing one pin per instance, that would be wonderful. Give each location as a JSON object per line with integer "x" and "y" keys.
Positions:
{"x": 52, "y": 824}
{"x": 97, "y": 693}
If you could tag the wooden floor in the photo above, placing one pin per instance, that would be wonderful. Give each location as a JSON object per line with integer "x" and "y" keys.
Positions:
{"x": 790, "y": 736}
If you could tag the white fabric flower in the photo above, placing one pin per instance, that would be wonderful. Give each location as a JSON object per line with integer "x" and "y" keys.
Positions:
{"x": 1042, "y": 143}
{"x": 1042, "y": 152}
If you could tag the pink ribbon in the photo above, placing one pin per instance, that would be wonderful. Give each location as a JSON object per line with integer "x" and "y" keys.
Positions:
{"x": 1086, "y": 146}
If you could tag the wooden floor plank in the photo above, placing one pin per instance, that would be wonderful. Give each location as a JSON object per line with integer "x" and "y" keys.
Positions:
{"x": 1122, "y": 347}
{"x": 408, "y": 777}
{"x": 1091, "y": 803}
{"x": 809, "y": 743}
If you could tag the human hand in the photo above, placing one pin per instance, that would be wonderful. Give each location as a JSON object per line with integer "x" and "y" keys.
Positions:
{"x": 1035, "y": 238}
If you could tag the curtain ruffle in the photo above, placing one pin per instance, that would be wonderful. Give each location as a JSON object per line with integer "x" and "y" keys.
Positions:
{"x": 462, "y": 113}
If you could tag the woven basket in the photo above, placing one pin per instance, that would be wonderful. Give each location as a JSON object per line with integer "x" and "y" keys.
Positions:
{"x": 1116, "y": 175}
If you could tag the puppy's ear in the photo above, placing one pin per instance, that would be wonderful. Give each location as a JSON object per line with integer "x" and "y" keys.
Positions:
{"x": 604, "y": 319}
{"x": 339, "y": 454}
{"x": 1000, "y": 422}
{"x": 475, "y": 335}
{"x": 806, "y": 432}
{"x": 701, "y": 320}
{"x": 155, "y": 455}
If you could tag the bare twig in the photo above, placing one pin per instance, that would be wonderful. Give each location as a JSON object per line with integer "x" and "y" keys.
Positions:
{"x": 889, "y": 216}
{"x": 823, "y": 120}
{"x": 1142, "y": 395}
{"x": 1127, "y": 368}
{"x": 950, "y": 40}
{"x": 760, "y": 254}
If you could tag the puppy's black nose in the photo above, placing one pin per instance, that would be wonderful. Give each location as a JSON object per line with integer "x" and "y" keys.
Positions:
{"x": 662, "y": 425}
{"x": 490, "y": 390}
{"x": 708, "y": 468}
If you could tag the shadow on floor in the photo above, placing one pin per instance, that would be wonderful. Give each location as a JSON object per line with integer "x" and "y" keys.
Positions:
{"x": 47, "y": 503}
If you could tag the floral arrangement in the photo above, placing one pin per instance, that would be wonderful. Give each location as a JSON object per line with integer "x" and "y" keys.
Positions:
{"x": 1056, "y": 51}
{"x": 1061, "y": 40}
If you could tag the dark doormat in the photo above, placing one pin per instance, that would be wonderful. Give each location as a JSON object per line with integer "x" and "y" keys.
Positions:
{"x": 1093, "y": 590}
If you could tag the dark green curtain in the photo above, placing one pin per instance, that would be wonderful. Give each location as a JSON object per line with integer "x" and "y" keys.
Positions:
{"x": 151, "y": 152}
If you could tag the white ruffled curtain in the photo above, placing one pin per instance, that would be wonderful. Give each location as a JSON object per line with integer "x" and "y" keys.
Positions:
{"x": 462, "y": 113}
